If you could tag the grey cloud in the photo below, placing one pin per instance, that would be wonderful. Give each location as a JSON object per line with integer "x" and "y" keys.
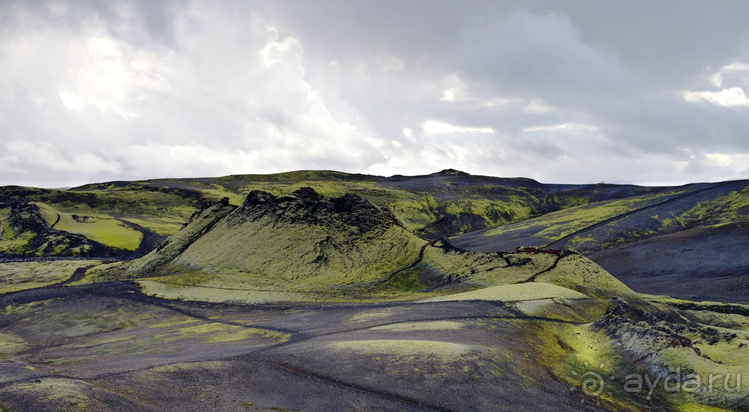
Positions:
{"x": 140, "y": 22}
{"x": 181, "y": 88}
{"x": 539, "y": 55}
{"x": 665, "y": 41}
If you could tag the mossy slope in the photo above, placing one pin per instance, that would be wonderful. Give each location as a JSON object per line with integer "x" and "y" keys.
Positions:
{"x": 611, "y": 223}
{"x": 306, "y": 247}
{"x": 127, "y": 218}
{"x": 24, "y": 232}
{"x": 303, "y": 242}
{"x": 199, "y": 224}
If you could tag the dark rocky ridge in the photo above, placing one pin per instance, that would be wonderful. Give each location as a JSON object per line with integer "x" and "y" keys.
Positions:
{"x": 306, "y": 206}
{"x": 643, "y": 334}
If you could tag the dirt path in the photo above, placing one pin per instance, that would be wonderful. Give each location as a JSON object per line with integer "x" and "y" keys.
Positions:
{"x": 52, "y": 226}
{"x": 549, "y": 269}
{"x": 77, "y": 275}
{"x": 418, "y": 260}
{"x": 357, "y": 387}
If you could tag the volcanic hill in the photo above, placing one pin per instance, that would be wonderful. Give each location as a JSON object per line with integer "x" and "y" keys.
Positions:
{"x": 305, "y": 246}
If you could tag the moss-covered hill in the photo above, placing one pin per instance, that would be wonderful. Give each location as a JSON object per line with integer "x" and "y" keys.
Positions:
{"x": 305, "y": 246}
{"x": 437, "y": 205}
{"x": 126, "y": 221}
{"x": 131, "y": 218}
{"x": 684, "y": 241}
{"x": 610, "y": 223}
{"x": 25, "y": 232}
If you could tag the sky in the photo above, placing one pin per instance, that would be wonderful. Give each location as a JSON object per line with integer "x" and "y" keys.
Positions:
{"x": 574, "y": 91}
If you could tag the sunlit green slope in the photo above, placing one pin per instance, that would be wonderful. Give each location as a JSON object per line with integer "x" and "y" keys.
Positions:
{"x": 306, "y": 247}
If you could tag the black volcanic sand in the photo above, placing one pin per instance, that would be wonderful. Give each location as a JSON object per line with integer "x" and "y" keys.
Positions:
{"x": 108, "y": 347}
{"x": 703, "y": 263}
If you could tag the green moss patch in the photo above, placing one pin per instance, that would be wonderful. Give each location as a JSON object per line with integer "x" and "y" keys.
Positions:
{"x": 421, "y": 326}
{"x": 59, "y": 392}
{"x": 16, "y": 276}
{"x": 406, "y": 348}
{"x": 729, "y": 208}
{"x": 512, "y": 293}
{"x": 10, "y": 345}
{"x": 583, "y": 275}
{"x": 300, "y": 255}
{"x": 219, "y": 332}
{"x": 211, "y": 294}
{"x": 373, "y": 315}
{"x": 570, "y": 310}
{"x": 101, "y": 228}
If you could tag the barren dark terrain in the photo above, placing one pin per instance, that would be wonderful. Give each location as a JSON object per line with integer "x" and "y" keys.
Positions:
{"x": 116, "y": 349}
{"x": 698, "y": 264}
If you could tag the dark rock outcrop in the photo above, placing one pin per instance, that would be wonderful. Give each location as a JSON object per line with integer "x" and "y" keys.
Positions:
{"x": 306, "y": 206}
{"x": 642, "y": 335}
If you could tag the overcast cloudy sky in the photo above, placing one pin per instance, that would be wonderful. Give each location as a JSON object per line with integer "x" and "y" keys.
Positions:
{"x": 646, "y": 92}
